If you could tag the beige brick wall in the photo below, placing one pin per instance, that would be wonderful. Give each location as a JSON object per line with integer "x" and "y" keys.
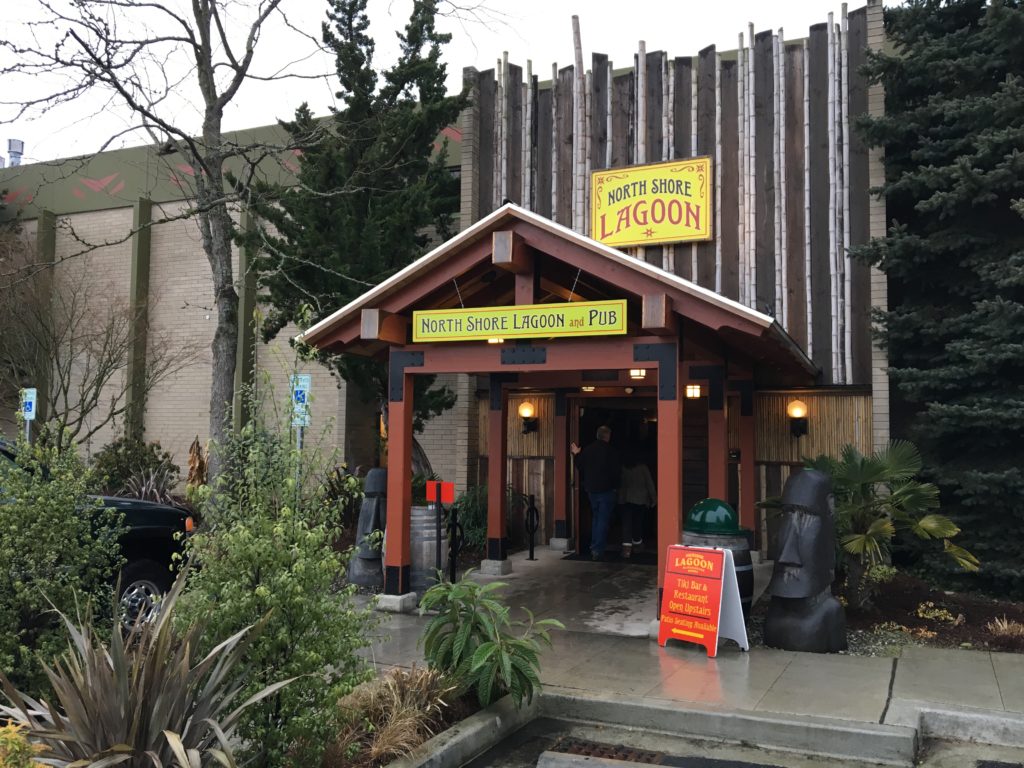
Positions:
{"x": 877, "y": 228}
{"x": 447, "y": 439}
{"x": 275, "y": 363}
{"x": 181, "y": 313}
{"x": 101, "y": 279}
{"x": 8, "y": 416}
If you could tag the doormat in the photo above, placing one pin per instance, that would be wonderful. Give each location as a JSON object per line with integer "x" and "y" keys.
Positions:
{"x": 642, "y": 557}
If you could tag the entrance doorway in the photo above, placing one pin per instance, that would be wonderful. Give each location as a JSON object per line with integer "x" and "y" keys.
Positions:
{"x": 634, "y": 425}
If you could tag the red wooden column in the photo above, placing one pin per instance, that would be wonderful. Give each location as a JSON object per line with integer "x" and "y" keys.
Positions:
{"x": 718, "y": 429}
{"x": 670, "y": 445}
{"x": 718, "y": 442}
{"x": 748, "y": 451}
{"x": 497, "y": 478}
{"x": 560, "y": 539}
{"x": 397, "y": 559}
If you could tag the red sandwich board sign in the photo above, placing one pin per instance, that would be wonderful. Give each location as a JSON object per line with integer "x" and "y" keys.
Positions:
{"x": 701, "y": 599}
{"x": 438, "y": 490}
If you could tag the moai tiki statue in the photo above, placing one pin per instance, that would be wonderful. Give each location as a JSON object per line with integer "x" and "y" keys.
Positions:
{"x": 803, "y": 614}
{"x": 365, "y": 566}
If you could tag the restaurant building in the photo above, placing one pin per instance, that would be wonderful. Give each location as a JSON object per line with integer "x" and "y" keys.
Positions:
{"x": 661, "y": 246}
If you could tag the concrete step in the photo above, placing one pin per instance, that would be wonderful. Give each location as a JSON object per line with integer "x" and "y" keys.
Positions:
{"x": 818, "y": 736}
{"x": 934, "y": 720}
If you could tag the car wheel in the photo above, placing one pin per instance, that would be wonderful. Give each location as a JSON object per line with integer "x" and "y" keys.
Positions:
{"x": 143, "y": 583}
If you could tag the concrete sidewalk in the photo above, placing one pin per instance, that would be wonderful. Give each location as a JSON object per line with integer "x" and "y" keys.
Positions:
{"x": 955, "y": 694}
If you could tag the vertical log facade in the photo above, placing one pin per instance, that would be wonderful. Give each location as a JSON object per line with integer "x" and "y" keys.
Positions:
{"x": 791, "y": 176}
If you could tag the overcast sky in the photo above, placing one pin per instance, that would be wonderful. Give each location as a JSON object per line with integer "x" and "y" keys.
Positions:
{"x": 540, "y": 30}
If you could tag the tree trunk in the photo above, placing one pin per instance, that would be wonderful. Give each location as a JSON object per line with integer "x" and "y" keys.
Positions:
{"x": 218, "y": 231}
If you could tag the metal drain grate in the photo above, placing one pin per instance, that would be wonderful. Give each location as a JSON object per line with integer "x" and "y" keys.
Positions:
{"x": 997, "y": 764}
{"x": 574, "y": 746}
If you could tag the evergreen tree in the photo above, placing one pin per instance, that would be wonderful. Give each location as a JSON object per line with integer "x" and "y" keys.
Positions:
{"x": 371, "y": 187}
{"x": 953, "y": 141}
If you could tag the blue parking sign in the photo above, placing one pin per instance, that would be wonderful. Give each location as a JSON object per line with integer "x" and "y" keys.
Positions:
{"x": 28, "y": 404}
{"x": 301, "y": 384}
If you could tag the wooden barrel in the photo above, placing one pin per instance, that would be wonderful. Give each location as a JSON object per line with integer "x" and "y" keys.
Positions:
{"x": 423, "y": 535}
{"x": 740, "y": 546}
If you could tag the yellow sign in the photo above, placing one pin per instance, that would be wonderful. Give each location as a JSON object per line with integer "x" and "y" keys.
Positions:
{"x": 649, "y": 204}
{"x": 529, "y": 321}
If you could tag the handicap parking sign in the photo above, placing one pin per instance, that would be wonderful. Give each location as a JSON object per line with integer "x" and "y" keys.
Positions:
{"x": 28, "y": 404}
{"x": 301, "y": 384}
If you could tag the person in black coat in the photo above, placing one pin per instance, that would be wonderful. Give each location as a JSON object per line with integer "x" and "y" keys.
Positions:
{"x": 600, "y": 469}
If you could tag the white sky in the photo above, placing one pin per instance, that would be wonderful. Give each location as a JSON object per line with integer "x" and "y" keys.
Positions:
{"x": 540, "y": 30}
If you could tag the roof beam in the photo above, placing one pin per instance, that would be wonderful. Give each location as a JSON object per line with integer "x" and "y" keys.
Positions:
{"x": 381, "y": 325}
{"x": 511, "y": 253}
{"x": 657, "y": 316}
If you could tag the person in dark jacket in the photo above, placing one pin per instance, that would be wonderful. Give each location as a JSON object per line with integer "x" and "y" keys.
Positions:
{"x": 599, "y": 469}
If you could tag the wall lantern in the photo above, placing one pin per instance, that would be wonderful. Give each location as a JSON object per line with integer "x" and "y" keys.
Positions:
{"x": 629, "y": 390}
{"x": 797, "y": 412}
{"x": 637, "y": 373}
{"x": 587, "y": 389}
{"x": 528, "y": 414}
{"x": 692, "y": 391}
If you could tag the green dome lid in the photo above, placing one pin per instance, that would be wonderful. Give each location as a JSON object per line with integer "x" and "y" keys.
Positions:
{"x": 712, "y": 516}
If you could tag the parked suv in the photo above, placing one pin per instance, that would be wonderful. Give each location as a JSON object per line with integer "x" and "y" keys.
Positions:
{"x": 153, "y": 534}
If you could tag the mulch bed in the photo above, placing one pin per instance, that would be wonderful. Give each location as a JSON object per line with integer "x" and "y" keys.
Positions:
{"x": 902, "y": 605}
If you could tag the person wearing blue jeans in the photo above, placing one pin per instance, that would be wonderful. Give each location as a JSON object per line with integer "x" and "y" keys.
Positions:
{"x": 599, "y": 469}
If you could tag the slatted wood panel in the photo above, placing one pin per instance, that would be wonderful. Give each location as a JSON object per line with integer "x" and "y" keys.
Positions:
{"x": 536, "y": 444}
{"x": 834, "y": 419}
{"x": 787, "y": 224}
{"x": 729, "y": 233}
{"x": 516, "y": 114}
{"x": 859, "y": 224}
{"x": 794, "y": 170}
{"x": 545, "y": 134}
{"x": 488, "y": 150}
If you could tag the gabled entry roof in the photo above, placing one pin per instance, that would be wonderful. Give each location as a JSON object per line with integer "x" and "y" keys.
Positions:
{"x": 752, "y": 333}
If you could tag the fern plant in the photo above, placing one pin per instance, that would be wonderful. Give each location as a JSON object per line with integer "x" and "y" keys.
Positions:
{"x": 473, "y": 640}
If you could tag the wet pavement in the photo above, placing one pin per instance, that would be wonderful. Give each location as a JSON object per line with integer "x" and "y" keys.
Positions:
{"x": 607, "y": 609}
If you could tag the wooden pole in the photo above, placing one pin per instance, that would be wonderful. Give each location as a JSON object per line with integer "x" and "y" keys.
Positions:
{"x": 777, "y": 174}
{"x": 554, "y": 141}
{"x": 588, "y": 98}
{"x": 669, "y": 251}
{"x": 847, "y": 270}
{"x": 784, "y": 198}
{"x": 580, "y": 134}
{"x": 718, "y": 171}
{"x": 641, "y": 118}
{"x": 497, "y": 473}
{"x": 741, "y": 167}
{"x": 751, "y": 171}
{"x": 528, "y": 97}
{"x": 833, "y": 276}
{"x": 693, "y": 152}
{"x": 608, "y": 120}
{"x": 807, "y": 203}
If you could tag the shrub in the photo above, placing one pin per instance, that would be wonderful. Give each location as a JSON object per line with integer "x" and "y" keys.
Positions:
{"x": 15, "y": 749}
{"x": 388, "y": 717}
{"x": 57, "y": 546}
{"x": 130, "y": 460}
{"x": 877, "y": 496}
{"x": 473, "y": 640}
{"x": 265, "y": 549}
{"x": 471, "y": 506}
{"x": 146, "y": 699}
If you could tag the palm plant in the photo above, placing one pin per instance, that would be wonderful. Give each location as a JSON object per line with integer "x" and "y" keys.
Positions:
{"x": 876, "y": 497}
{"x": 142, "y": 701}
